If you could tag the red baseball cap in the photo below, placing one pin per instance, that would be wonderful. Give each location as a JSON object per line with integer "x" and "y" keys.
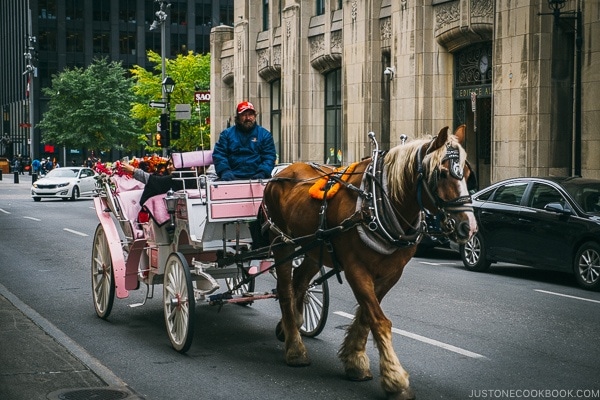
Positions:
{"x": 245, "y": 106}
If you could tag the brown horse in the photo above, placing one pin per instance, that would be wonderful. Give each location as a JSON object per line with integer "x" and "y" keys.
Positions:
{"x": 369, "y": 230}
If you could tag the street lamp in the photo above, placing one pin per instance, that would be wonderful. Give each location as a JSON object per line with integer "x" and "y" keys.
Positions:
{"x": 168, "y": 85}
{"x": 160, "y": 20}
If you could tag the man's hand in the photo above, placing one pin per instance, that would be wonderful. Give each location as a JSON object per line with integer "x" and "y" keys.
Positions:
{"x": 227, "y": 176}
{"x": 259, "y": 175}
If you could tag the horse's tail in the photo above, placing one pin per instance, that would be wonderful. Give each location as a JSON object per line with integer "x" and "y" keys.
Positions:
{"x": 260, "y": 236}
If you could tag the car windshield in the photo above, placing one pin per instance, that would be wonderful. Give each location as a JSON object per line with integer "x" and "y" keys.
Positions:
{"x": 586, "y": 194}
{"x": 63, "y": 173}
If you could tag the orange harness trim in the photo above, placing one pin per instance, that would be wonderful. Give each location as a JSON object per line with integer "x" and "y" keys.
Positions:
{"x": 317, "y": 191}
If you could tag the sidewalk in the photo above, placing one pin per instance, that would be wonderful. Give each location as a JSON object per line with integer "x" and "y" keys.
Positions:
{"x": 37, "y": 360}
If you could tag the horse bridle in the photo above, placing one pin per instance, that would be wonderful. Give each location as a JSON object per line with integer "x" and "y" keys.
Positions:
{"x": 445, "y": 207}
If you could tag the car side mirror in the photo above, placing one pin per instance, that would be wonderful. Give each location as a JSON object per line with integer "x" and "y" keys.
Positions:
{"x": 557, "y": 208}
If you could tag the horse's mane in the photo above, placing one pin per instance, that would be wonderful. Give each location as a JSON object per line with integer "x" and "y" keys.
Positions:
{"x": 401, "y": 162}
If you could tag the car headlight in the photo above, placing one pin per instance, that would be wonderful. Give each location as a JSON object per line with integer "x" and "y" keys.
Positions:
{"x": 63, "y": 184}
{"x": 35, "y": 185}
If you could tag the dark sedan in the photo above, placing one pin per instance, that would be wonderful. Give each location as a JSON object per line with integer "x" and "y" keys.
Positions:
{"x": 550, "y": 223}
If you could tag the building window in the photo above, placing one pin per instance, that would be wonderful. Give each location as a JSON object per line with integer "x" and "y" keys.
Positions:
{"x": 276, "y": 117}
{"x": 333, "y": 117}
{"x": 101, "y": 11}
{"x": 74, "y": 10}
{"x": 101, "y": 42}
{"x": 47, "y": 41}
{"x": 320, "y": 7}
{"x": 226, "y": 12}
{"x": 265, "y": 15}
{"x": 47, "y": 9}
{"x": 74, "y": 41}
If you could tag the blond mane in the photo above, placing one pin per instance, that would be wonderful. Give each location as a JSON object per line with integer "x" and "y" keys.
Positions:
{"x": 401, "y": 163}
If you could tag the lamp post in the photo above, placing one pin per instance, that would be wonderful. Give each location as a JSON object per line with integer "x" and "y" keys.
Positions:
{"x": 556, "y": 6}
{"x": 168, "y": 85}
{"x": 160, "y": 21}
{"x": 31, "y": 72}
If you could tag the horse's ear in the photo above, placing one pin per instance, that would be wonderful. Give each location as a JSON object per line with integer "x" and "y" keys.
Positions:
{"x": 439, "y": 140}
{"x": 461, "y": 133}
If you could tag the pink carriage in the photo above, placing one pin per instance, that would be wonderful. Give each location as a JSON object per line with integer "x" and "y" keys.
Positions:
{"x": 197, "y": 243}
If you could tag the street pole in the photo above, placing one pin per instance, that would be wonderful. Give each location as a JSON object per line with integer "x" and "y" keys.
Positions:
{"x": 161, "y": 17}
{"x": 31, "y": 72}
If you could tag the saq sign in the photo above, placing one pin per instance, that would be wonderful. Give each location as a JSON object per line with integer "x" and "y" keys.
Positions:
{"x": 202, "y": 97}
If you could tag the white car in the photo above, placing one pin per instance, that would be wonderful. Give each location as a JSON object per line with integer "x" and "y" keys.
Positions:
{"x": 65, "y": 183}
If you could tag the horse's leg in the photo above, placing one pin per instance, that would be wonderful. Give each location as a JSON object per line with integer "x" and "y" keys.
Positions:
{"x": 394, "y": 379}
{"x": 302, "y": 278}
{"x": 295, "y": 352}
{"x": 352, "y": 353}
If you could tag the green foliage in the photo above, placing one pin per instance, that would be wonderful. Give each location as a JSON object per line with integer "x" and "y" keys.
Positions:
{"x": 190, "y": 72}
{"x": 90, "y": 108}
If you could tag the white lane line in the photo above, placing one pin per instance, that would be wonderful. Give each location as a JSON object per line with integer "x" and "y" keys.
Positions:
{"x": 75, "y": 232}
{"x": 569, "y": 296}
{"x": 424, "y": 339}
{"x": 4, "y": 211}
{"x": 33, "y": 219}
{"x": 436, "y": 263}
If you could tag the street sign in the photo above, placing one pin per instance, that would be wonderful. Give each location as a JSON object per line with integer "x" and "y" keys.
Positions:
{"x": 202, "y": 97}
{"x": 183, "y": 111}
{"x": 157, "y": 104}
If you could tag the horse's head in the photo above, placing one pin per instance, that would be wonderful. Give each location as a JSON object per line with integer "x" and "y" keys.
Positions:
{"x": 448, "y": 178}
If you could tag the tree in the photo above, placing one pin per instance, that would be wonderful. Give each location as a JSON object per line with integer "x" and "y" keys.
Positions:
{"x": 190, "y": 72}
{"x": 90, "y": 108}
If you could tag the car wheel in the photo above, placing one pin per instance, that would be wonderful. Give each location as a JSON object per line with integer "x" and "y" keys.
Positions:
{"x": 37, "y": 199}
{"x": 587, "y": 266}
{"x": 473, "y": 254}
{"x": 75, "y": 194}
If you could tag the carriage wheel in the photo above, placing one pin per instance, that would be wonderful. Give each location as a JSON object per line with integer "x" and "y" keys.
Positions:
{"x": 103, "y": 283}
{"x": 246, "y": 288}
{"x": 316, "y": 308}
{"x": 179, "y": 302}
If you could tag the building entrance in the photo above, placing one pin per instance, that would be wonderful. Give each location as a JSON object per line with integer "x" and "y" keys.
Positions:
{"x": 473, "y": 105}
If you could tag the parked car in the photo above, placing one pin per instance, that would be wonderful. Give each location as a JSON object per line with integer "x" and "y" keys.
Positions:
{"x": 65, "y": 183}
{"x": 550, "y": 223}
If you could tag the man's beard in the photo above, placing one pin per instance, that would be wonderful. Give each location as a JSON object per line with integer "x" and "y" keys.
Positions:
{"x": 245, "y": 126}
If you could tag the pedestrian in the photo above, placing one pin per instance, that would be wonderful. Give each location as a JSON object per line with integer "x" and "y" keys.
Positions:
{"x": 35, "y": 166}
{"x": 245, "y": 150}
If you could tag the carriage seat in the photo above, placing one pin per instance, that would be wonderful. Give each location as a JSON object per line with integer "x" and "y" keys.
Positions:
{"x": 191, "y": 159}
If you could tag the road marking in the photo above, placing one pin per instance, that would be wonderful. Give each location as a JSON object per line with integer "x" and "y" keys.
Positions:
{"x": 434, "y": 263}
{"x": 424, "y": 339}
{"x": 33, "y": 219}
{"x": 75, "y": 232}
{"x": 4, "y": 211}
{"x": 569, "y": 296}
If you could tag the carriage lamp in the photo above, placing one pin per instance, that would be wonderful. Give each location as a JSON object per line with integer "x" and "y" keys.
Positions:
{"x": 168, "y": 85}
{"x": 171, "y": 203}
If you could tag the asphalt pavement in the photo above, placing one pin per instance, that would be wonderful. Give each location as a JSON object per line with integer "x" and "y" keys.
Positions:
{"x": 37, "y": 360}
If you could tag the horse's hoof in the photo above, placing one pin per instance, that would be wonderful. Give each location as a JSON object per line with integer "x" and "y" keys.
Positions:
{"x": 358, "y": 375}
{"x": 298, "y": 362}
{"x": 406, "y": 394}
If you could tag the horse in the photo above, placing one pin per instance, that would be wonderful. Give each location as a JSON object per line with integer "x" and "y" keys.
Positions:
{"x": 369, "y": 230}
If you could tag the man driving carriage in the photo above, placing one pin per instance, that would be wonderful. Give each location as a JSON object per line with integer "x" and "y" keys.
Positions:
{"x": 245, "y": 150}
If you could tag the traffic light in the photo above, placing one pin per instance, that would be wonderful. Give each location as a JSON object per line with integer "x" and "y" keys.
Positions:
{"x": 175, "y": 130}
{"x": 158, "y": 139}
{"x": 164, "y": 130}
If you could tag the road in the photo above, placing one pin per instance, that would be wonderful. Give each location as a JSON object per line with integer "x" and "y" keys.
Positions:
{"x": 512, "y": 333}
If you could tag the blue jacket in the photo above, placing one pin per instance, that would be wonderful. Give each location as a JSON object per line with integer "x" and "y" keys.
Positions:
{"x": 245, "y": 154}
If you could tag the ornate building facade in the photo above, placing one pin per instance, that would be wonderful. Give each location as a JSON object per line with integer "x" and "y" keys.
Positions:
{"x": 522, "y": 77}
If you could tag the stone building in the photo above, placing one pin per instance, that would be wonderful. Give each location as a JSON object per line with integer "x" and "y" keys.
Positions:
{"x": 523, "y": 78}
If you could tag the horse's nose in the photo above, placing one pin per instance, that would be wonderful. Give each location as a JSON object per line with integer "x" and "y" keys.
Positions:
{"x": 463, "y": 230}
